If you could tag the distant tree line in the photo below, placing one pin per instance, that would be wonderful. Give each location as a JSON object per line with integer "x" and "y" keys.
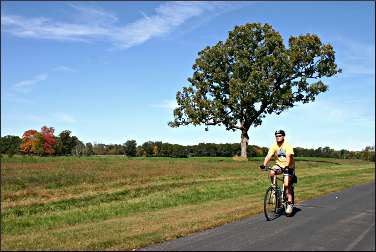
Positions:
{"x": 45, "y": 143}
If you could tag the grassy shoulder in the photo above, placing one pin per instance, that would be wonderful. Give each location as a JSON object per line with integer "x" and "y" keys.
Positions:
{"x": 119, "y": 203}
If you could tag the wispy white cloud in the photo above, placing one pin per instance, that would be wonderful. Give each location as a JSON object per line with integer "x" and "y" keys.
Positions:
{"x": 33, "y": 81}
{"x": 44, "y": 28}
{"x": 54, "y": 118}
{"x": 94, "y": 15}
{"x": 351, "y": 112}
{"x": 64, "y": 118}
{"x": 12, "y": 97}
{"x": 36, "y": 118}
{"x": 25, "y": 86}
{"x": 94, "y": 23}
{"x": 166, "y": 104}
{"x": 355, "y": 58}
{"x": 63, "y": 69}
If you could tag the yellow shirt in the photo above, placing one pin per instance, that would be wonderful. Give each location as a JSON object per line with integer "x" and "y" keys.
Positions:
{"x": 280, "y": 153}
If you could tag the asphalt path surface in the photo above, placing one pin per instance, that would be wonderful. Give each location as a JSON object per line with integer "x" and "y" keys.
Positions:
{"x": 338, "y": 221}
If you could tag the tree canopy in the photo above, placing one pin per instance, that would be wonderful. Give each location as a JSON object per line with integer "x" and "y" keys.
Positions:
{"x": 236, "y": 83}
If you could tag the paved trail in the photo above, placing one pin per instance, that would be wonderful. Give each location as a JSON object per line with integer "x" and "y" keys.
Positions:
{"x": 338, "y": 221}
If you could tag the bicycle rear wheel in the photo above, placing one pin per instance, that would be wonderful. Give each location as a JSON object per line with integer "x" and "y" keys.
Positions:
{"x": 272, "y": 204}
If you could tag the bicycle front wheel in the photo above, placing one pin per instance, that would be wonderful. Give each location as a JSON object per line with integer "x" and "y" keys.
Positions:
{"x": 272, "y": 204}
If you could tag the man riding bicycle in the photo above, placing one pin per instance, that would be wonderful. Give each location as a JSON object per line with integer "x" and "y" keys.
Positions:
{"x": 284, "y": 157}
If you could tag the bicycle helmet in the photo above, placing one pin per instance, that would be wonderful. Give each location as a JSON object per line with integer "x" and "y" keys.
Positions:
{"x": 280, "y": 132}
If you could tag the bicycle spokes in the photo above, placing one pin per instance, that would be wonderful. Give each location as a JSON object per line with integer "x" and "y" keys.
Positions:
{"x": 271, "y": 204}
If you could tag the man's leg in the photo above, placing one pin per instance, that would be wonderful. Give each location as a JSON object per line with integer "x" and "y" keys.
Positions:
{"x": 271, "y": 175}
{"x": 287, "y": 183}
{"x": 276, "y": 170}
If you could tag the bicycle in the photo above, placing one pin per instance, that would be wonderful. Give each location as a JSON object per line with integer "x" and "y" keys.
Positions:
{"x": 275, "y": 200}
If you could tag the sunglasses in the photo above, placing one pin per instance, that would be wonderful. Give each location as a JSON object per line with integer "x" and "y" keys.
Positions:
{"x": 279, "y": 136}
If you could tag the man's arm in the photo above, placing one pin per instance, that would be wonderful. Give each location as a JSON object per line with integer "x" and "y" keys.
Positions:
{"x": 267, "y": 159}
{"x": 289, "y": 156}
{"x": 289, "y": 160}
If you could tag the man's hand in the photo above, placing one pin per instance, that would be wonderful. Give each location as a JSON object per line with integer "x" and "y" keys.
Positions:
{"x": 263, "y": 167}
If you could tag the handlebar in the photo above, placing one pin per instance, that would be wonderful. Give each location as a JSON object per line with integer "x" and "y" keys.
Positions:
{"x": 264, "y": 168}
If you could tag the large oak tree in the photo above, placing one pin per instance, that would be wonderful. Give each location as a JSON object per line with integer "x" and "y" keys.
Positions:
{"x": 238, "y": 82}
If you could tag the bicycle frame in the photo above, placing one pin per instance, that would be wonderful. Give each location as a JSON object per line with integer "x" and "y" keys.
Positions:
{"x": 275, "y": 178}
{"x": 280, "y": 192}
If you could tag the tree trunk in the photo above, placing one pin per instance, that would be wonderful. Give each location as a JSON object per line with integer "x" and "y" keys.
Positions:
{"x": 244, "y": 144}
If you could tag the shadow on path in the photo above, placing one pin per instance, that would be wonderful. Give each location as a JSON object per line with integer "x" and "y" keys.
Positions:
{"x": 294, "y": 211}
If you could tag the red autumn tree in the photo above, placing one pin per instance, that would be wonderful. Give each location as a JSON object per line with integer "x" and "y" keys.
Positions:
{"x": 49, "y": 140}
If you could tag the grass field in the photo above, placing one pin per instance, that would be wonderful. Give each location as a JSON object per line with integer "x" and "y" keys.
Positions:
{"x": 116, "y": 203}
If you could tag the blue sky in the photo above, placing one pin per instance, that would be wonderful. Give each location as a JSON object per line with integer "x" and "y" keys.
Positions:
{"x": 109, "y": 71}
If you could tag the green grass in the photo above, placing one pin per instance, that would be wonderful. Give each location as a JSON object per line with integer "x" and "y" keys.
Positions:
{"x": 119, "y": 203}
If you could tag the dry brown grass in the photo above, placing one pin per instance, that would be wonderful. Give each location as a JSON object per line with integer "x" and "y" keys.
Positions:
{"x": 239, "y": 158}
{"x": 25, "y": 185}
{"x": 130, "y": 232}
